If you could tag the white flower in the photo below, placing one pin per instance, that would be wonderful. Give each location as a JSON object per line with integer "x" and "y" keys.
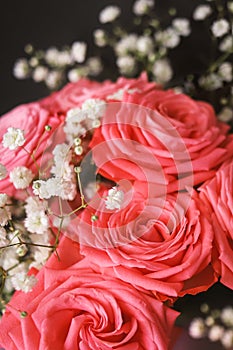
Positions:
{"x": 39, "y": 74}
{"x": 3, "y": 199}
{"x": 126, "y": 45}
{"x": 13, "y": 138}
{"x": 40, "y": 189}
{"x": 62, "y": 153}
{"x": 23, "y": 282}
{"x": 215, "y": 333}
{"x": 3, "y": 172}
{"x": 126, "y": 64}
{"x": 74, "y": 75}
{"x": 220, "y": 27}
{"x": 51, "y": 56}
{"x": 162, "y": 71}
{"x": 145, "y": 45}
{"x": 227, "y": 316}
{"x": 64, "y": 58}
{"x": 182, "y": 26}
{"x": 197, "y": 328}
{"x": 5, "y": 216}
{"x": 210, "y": 82}
{"x": 94, "y": 108}
{"x": 40, "y": 256}
{"x": 109, "y": 14}
{"x": 226, "y": 44}
{"x": 141, "y": 7}
{"x": 225, "y": 71}
{"x": 21, "y": 177}
{"x": 37, "y": 222}
{"x": 21, "y": 69}
{"x": 168, "y": 38}
{"x": 227, "y": 339}
{"x": 201, "y": 12}
{"x": 226, "y": 114}
{"x": 78, "y": 51}
{"x": 33, "y": 204}
{"x": 100, "y": 37}
{"x": 53, "y": 79}
{"x": 3, "y": 237}
{"x": 230, "y": 6}
{"x": 114, "y": 199}
{"x": 94, "y": 66}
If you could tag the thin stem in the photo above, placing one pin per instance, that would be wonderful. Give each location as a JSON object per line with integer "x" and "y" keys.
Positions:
{"x": 33, "y": 158}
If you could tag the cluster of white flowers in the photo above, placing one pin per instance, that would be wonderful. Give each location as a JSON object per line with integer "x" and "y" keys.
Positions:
{"x": 114, "y": 199}
{"x": 141, "y": 7}
{"x": 13, "y": 138}
{"x": 21, "y": 177}
{"x": 109, "y": 14}
{"x": 217, "y": 326}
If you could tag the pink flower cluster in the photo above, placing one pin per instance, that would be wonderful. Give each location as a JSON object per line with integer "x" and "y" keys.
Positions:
{"x": 172, "y": 236}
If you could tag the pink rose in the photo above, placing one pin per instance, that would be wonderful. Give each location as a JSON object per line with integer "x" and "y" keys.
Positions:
{"x": 32, "y": 119}
{"x": 74, "y": 94}
{"x": 217, "y": 195}
{"x": 76, "y": 308}
{"x": 162, "y": 246}
{"x": 183, "y": 135}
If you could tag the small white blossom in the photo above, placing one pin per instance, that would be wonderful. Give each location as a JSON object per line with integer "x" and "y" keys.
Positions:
{"x": 21, "y": 69}
{"x": 114, "y": 199}
{"x": 226, "y": 114}
{"x": 53, "y": 79}
{"x": 162, "y": 71}
{"x": 40, "y": 256}
{"x": 33, "y": 62}
{"x": 197, "y": 328}
{"x": 126, "y": 45}
{"x": 21, "y": 177}
{"x": 227, "y": 316}
{"x": 13, "y": 138}
{"x": 109, "y": 14}
{"x": 215, "y": 333}
{"x": 210, "y": 82}
{"x": 78, "y": 51}
{"x": 100, "y": 37}
{"x": 40, "y": 189}
{"x": 74, "y": 75}
{"x": 94, "y": 108}
{"x": 182, "y": 26}
{"x": 94, "y": 66}
{"x": 3, "y": 199}
{"x": 202, "y": 12}
{"x": 23, "y": 282}
{"x": 230, "y": 6}
{"x": 39, "y": 74}
{"x": 168, "y": 38}
{"x": 3, "y": 237}
{"x": 62, "y": 153}
{"x": 5, "y": 216}
{"x": 126, "y": 64}
{"x": 33, "y": 205}
{"x": 3, "y": 172}
{"x": 227, "y": 339}
{"x": 141, "y": 7}
{"x": 145, "y": 45}
{"x": 225, "y": 71}
{"x": 226, "y": 44}
{"x": 220, "y": 27}
{"x": 75, "y": 114}
{"x": 51, "y": 56}
{"x": 64, "y": 58}
{"x": 37, "y": 222}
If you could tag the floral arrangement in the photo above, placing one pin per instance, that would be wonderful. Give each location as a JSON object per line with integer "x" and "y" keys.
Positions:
{"x": 116, "y": 202}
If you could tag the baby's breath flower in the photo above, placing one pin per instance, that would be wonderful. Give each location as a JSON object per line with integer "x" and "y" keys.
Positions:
{"x": 197, "y": 328}
{"x": 33, "y": 204}
{"x": 126, "y": 64}
{"x": 13, "y": 138}
{"x": 145, "y": 45}
{"x": 40, "y": 73}
{"x": 109, "y": 14}
{"x": 94, "y": 108}
{"x": 94, "y": 66}
{"x": 100, "y": 37}
{"x": 226, "y": 114}
{"x": 210, "y": 82}
{"x": 220, "y": 27}
{"x": 168, "y": 38}
{"x": 215, "y": 333}
{"x": 227, "y": 316}
{"x": 5, "y": 216}
{"x": 3, "y": 237}
{"x": 3, "y": 172}
{"x": 21, "y": 68}
{"x": 51, "y": 56}
{"x": 141, "y": 7}
{"x": 74, "y": 75}
{"x": 78, "y": 51}
{"x": 230, "y": 6}
{"x": 182, "y": 26}
{"x": 227, "y": 339}
{"x": 201, "y": 12}
{"x": 126, "y": 45}
{"x": 162, "y": 71}
{"x": 23, "y": 282}
{"x": 37, "y": 222}
{"x": 3, "y": 199}
{"x": 114, "y": 199}
{"x": 225, "y": 71}
{"x": 53, "y": 79}
{"x": 21, "y": 177}
{"x": 226, "y": 44}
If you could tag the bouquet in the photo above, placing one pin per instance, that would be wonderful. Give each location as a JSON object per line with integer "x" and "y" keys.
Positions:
{"x": 116, "y": 202}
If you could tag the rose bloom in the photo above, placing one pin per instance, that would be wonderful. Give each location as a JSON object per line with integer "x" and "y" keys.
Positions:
{"x": 74, "y": 94}
{"x": 162, "y": 245}
{"x": 217, "y": 195}
{"x": 76, "y": 308}
{"x": 199, "y": 146}
{"x": 32, "y": 119}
